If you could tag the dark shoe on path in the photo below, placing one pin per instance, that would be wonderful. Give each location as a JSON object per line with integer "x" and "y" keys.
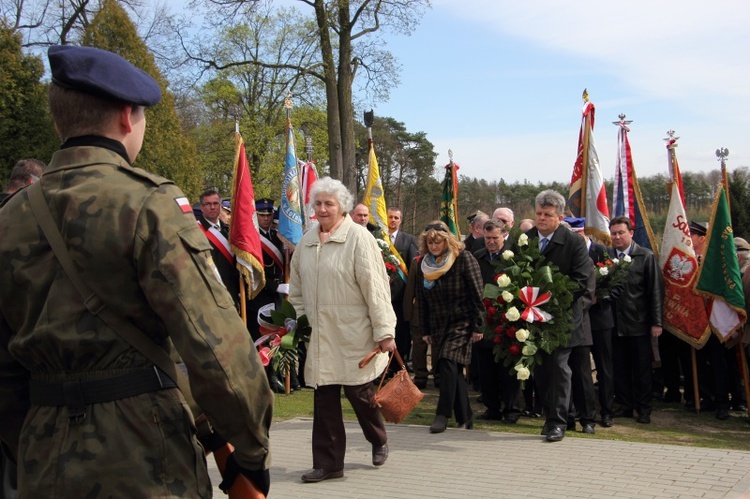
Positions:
{"x": 439, "y": 425}
{"x": 319, "y": 474}
{"x": 379, "y": 454}
{"x": 555, "y": 434}
{"x": 571, "y": 426}
{"x": 588, "y": 428}
{"x": 644, "y": 418}
{"x": 545, "y": 429}
{"x": 490, "y": 416}
{"x": 607, "y": 421}
{"x": 467, "y": 425}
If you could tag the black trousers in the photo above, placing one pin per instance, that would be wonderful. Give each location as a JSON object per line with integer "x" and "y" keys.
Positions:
{"x": 329, "y": 435}
{"x": 489, "y": 377}
{"x": 418, "y": 355}
{"x": 602, "y": 350}
{"x": 582, "y": 384}
{"x": 454, "y": 396}
{"x": 403, "y": 334}
{"x": 554, "y": 382}
{"x": 633, "y": 373}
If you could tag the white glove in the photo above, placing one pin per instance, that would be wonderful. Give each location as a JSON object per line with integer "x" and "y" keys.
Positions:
{"x": 283, "y": 289}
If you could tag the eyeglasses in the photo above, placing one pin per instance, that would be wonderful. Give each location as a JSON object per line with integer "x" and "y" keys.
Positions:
{"x": 210, "y": 204}
{"x": 503, "y": 220}
{"x": 435, "y": 227}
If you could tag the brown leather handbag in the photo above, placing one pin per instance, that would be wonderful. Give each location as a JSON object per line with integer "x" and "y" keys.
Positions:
{"x": 399, "y": 396}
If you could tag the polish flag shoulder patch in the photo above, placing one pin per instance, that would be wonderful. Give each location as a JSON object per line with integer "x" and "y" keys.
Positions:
{"x": 184, "y": 204}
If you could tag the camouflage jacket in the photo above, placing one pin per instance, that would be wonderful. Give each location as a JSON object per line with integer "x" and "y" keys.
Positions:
{"x": 144, "y": 256}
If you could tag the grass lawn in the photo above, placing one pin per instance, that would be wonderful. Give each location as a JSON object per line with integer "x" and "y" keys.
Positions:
{"x": 670, "y": 423}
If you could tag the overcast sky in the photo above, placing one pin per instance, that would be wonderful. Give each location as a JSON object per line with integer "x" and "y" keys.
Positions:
{"x": 500, "y": 82}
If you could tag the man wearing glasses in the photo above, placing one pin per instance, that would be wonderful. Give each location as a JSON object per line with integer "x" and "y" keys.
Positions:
{"x": 505, "y": 215}
{"x": 217, "y": 233}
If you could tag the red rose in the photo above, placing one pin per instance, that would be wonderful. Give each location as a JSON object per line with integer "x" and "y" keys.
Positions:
{"x": 499, "y": 329}
{"x": 511, "y": 332}
{"x": 487, "y": 303}
{"x": 514, "y": 349}
{"x": 600, "y": 264}
{"x": 497, "y": 339}
{"x": 491, "y": 312}
{"x": 503, "y": 318}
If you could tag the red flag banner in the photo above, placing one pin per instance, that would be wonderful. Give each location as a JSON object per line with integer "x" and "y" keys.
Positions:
{"x": 684, "y": 311}
{"x": 588, "y": 196}
{"x": 244, "y": 239}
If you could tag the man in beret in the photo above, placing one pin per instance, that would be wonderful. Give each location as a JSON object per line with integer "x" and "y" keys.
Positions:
{"x": 82, "y": 410}
{"x": 274, "y": 262}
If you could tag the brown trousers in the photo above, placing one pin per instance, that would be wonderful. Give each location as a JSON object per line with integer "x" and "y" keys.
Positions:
{"x": 329, "y": 435}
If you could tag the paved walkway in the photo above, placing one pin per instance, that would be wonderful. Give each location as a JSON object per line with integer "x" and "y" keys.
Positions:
{"x": 476, "y": 463}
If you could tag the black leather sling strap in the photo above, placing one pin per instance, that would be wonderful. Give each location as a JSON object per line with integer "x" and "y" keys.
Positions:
{"x": 76, "y": 394}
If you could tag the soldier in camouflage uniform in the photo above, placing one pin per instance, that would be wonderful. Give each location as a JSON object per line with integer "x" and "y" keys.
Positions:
{"x": 135, "y": 242}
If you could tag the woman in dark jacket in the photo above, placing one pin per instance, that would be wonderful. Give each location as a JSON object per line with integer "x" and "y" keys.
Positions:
{"x": 449, "y": 291}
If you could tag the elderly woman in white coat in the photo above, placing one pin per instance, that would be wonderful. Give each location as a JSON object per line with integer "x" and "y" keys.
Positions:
{"x": 338, "y": 280}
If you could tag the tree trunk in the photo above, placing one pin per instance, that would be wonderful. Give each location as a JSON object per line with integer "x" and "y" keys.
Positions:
{"x": 346, "y": 116}
{"x": 336, "y": 160}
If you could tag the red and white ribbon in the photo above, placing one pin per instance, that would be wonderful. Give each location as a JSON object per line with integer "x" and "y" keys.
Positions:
{"x": 532, "y": 299}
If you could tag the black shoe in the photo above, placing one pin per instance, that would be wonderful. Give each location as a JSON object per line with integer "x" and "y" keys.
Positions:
{"x": 489, "y": 415}
{"x": 644, "y": 418}
{"x": 722, "y": 414}
{"x": 624, "y": 413}
{"x": 545, "y": 429}
{"x": 672, "y": 396}
{"x": 555, "y": 434}
{"x": 467, "y": 425}
{"x": 571, "y": 426}
{"x": 319, "y": 474}
{"x": 421, "y": 383}
{"x": 588, "y": 428}
{"x": 276, "y": 385}
{"x": 607, "y": 421}
{"x": 439, "y": 425}
{"x": 379, "y": 454}
{"x": 510, "y": 420}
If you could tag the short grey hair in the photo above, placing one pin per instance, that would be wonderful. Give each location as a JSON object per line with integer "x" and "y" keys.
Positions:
{"x": 551, "y": 198}
{"x": 328, "y": 185}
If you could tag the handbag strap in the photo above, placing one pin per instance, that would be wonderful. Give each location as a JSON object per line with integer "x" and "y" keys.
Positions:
{"x": 93, "y": 303}
{"x": 393, "y": 355}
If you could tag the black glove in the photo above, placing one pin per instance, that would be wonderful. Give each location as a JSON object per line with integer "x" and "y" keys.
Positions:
{"x": 212, "y": 441}
{"x": 260, "y": 478}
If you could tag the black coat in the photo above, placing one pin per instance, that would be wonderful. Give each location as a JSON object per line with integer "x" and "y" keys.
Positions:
{"x": 600, "y": 313}
{"x": 406, "y": 245}
{"x": 640, "y": 303}
{"x": 568, "y": 251}
{"x": 230, "y": 276}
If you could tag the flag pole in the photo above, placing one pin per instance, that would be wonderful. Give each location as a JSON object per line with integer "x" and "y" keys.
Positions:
{"x": 585, "y": 153}
{"x": 243, "y": 291}
{"x": 722, "y": 154}
{"x": 288, "y": 104}
{"x": 671, "y": 141}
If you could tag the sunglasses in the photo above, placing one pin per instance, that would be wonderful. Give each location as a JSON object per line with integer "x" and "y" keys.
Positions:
{"x": 435, "y": 227}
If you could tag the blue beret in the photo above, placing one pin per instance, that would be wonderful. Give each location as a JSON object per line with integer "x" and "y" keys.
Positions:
{"x": 102, "y": 73}
{"x": 575, "y": 223}
{"x": 264, "y": 206}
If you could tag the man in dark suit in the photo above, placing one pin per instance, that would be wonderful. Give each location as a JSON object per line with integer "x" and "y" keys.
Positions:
{"x": 217, "y": 233}
{"x": 638, "y": 318}
{"x": 602, "y": 323}
{"x": 406, "y": 245}
{"x": 476, "y": 220}
{"x": 568, "y": 251}
{"x": 500, "y": 389}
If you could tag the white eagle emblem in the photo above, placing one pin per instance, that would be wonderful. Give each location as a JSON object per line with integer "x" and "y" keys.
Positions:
{"x": 680, "y": 268}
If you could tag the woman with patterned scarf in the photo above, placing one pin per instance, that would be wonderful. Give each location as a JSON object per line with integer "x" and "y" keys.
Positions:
{"x": 449, "y": 290}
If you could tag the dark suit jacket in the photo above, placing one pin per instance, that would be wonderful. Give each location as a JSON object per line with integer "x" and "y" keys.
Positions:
{"x": 568, "y": 251}
{"x": 406, "y": 245}
{"x": 601, "y": 312}
{"x": 230, "y": 276}
{"x": 640, "y": 303}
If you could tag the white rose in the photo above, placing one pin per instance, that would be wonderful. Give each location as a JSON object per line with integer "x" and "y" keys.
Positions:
{"x": 508, "y": 254}
{"x": 615, "y": 261}
{"x": 508, "y": 297}
{"x": 512, "y": 314}
{"x": 626, "y": 258}
{"x": 522, "y": 373}
{"x": 523, "y": 240}
{"x": 503, "y": 280}
{"x": 603, "y": 271}
{"x": 522, "y": 335}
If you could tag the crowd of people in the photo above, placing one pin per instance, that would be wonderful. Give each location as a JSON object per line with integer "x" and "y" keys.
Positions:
{"x": 79, "y": 399}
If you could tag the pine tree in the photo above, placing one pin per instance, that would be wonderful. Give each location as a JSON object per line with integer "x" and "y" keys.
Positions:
{"x": 26, "y": 129}
{"x": 167, "y": 150}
